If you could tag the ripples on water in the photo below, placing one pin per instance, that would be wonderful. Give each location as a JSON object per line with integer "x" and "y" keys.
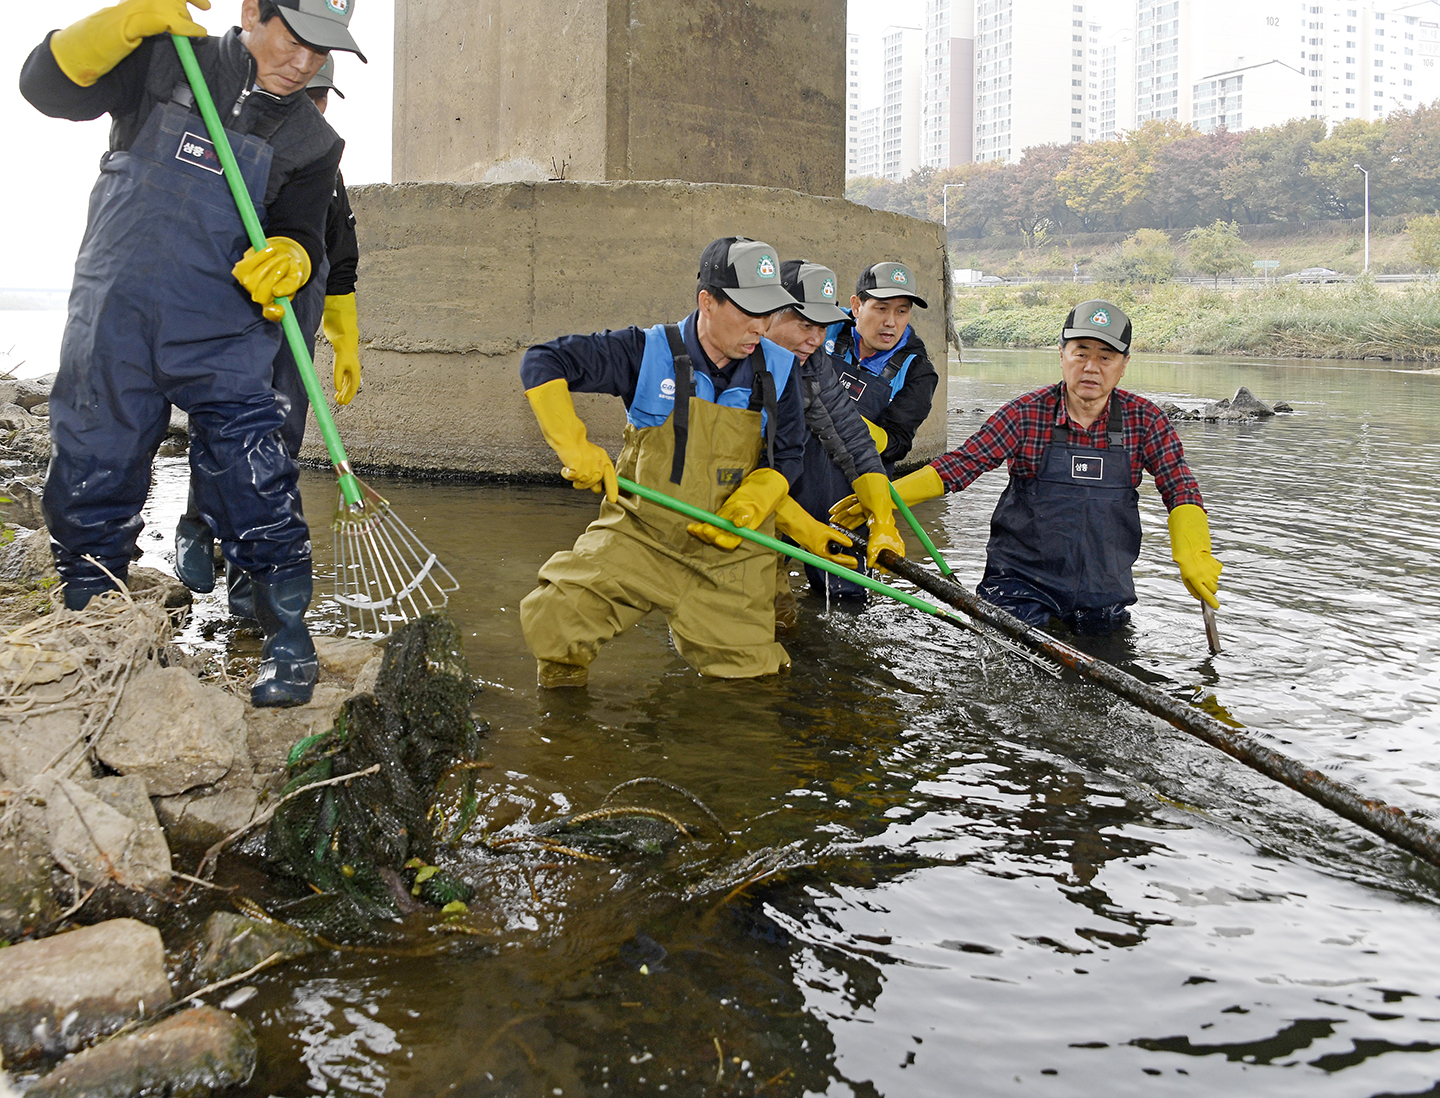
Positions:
{"x": 997, "y": 882}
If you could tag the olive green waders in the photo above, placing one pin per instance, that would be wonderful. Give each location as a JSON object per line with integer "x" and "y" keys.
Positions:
{"x": 638, "y": 556}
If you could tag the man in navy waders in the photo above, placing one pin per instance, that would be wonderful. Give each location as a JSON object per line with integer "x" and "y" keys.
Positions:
{"x": 883, "y": 365}
{"x": 329, "y": 296}
{"x": 170, "y": 306}
{"x": 713, "y": 418}
{"x": 1067, "y": 528}
{"x": 834, "y": 419}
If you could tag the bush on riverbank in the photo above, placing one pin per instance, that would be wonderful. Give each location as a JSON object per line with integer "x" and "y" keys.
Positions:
{"x": 1357, "y": 320}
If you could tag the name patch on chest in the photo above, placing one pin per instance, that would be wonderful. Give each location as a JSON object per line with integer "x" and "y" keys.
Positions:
{"x": 1086, "y": 468}
{"x": 853, "y": 385}
{"x": 199, "y": 151}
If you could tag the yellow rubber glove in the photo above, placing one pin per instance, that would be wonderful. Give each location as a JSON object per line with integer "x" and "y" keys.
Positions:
{"x": 342, "y": 329}
{"x": 882, "y": 439}
{"x": 582, "y": 462}
{"x": 280, "y": 269}
{"x": 748, "y": 506}
{"x": 924, "y": 483}
{"x": 87, "y": 50}
{"x": 873, "y": 492}
{"x": 1190, "y": 547}
{"x": 799, "y": 526}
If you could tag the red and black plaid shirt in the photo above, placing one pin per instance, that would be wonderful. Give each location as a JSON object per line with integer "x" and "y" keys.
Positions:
{"x": 1020, "y": 431}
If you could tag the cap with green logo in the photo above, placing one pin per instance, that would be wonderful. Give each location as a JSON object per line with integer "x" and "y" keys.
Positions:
{"x": 324, "y": 80}
{"x": 889, "y": 279}
{"x": 749, "y": 273}
{"x": 1100, "y": 320}
{"x": 321, "y": 24}
{"x": 815, "y": 288}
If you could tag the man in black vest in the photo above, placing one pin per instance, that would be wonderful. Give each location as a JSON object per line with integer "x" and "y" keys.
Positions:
{"x": 169, "y": 307}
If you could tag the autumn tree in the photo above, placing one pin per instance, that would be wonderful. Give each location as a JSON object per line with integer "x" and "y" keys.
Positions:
{"x": 1218, "y": 249}
{"x": 1425, "y": 241}
{"x": 1339, "y": 186}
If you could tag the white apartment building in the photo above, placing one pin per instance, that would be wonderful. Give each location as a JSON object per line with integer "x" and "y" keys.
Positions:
{"x": 902, "y": 75}
{"x": 1367, "y": 60}
{"x": 868, "y": 161}
{"x": 1031, "y": 60}
{"x": 1181, "y": 43}
{"x": 852, "y": 105}
{"x": 1116, "y": 77}
{"x": 935, "y": 98}
{"x": 1249, "y": 98}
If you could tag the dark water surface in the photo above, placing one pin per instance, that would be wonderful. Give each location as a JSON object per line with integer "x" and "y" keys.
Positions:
{"x": 946, "y": 872}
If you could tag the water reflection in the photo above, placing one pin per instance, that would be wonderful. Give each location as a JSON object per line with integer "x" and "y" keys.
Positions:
{"x": 942, "y": 870}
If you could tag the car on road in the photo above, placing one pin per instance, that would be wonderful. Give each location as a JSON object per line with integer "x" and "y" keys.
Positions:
{"x": 989, "y": 280}
{"x": 1315, "y": 274}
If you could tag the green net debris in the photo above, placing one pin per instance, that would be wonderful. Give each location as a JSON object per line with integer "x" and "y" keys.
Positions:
{"x": 355, "y": 839}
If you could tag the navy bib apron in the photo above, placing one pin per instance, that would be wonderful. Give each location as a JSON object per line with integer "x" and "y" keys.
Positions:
{"x": 156, "y": 319}
{"x": 1065, "y": 540}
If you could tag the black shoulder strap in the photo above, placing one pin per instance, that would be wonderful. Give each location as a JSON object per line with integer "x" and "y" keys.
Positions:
{"x": 684, "y": 384}
{"x": 764, "y": 384}
{"x": 1115, "y": 429}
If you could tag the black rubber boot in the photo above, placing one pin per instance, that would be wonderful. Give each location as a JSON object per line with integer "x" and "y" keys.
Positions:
{"x": 77, "y": 598}
{"x": 290, "y": 667}
{"x": 194, "y": 551}
{"x": 239, "y": 592}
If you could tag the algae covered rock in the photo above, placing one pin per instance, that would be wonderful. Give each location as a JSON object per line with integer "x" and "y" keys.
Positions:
{"x": 189, "y": 1055}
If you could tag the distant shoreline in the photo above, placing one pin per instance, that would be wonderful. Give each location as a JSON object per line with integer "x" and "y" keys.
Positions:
{"x": 1355, "y": 321}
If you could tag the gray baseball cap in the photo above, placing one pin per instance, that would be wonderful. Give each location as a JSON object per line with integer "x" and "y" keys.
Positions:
{"x": 815, "y": 288}
{"x": 325, "y": 78}
{"x": 889, "y": 279}
{"x": 321, "y": 24}
{"x": 749, "y": 273}
{"x": 1100, "y": 320}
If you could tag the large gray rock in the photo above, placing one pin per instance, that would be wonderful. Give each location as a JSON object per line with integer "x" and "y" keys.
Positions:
{"x": 231, "y": 944}
{"x": 175, "y": 732}
{"x": 191, "y": 1054}
{"x": 344, "y": 657}
{"x": 28, "y": 899}
{"x": 59, "y": 994}
{"x": 30, "y": 391}
{"x": 273, "y": 732}
{"x": 1246, "y": 402}
{"x": 28, "y": 559}
{"x": 15, "y": 418}
{"x": 31, "y": 444}
{"x": 28, "y": 746}
{"x": 204, "y": 816}
{"x": 107, "y": 832}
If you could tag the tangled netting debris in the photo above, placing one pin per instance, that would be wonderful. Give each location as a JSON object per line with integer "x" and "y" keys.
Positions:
{"x": 354, "y": 838}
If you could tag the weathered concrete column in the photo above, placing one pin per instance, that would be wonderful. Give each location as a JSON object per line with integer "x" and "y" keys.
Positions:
{"x": 457, "y": 280}
{"x": 706, "y": 91}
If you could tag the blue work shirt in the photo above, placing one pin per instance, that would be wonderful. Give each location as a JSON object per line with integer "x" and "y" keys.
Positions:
{"x": 609, "y": 362}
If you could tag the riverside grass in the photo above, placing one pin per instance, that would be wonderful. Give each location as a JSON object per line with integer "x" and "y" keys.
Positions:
{"x": 1355, "y": 320}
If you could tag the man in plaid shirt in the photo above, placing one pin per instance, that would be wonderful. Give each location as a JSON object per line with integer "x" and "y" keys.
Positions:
{"x": 1066, "y": 532}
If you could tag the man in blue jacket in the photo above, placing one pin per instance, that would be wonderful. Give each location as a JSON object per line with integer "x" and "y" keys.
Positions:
{"x": 169, "y": 307}
{"x": 713, "y": 418}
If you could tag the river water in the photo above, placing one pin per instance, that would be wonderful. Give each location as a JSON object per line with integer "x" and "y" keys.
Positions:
{"x": 944, "y": 871}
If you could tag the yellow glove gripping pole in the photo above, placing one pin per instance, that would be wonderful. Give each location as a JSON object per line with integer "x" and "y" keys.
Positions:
{"x": 1190, "y": 548}
{"x": 86, "y": 50}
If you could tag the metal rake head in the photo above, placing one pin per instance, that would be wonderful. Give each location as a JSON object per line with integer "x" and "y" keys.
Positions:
{"x": 384, "y": 575}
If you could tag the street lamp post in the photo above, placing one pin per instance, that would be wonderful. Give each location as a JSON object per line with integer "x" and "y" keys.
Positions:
{"x": 1367, "y": 216}
{"x": 945, "y": 206}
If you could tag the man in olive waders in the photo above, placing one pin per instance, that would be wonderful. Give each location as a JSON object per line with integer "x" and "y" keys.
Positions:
{"x": 852, "y": 443}
{"x": 1066, "y": 531}
{"x": 170, "y": 306}
{"x": 883, "y": 365}
{"x": 328, "y": 297}
{"x": 713, "y": 418}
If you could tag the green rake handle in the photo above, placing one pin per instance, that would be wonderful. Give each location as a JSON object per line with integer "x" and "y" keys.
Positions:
{"x": 349, "y": 486}
{"x": 945, "y": 569}
{"x": 700, "y": 515}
